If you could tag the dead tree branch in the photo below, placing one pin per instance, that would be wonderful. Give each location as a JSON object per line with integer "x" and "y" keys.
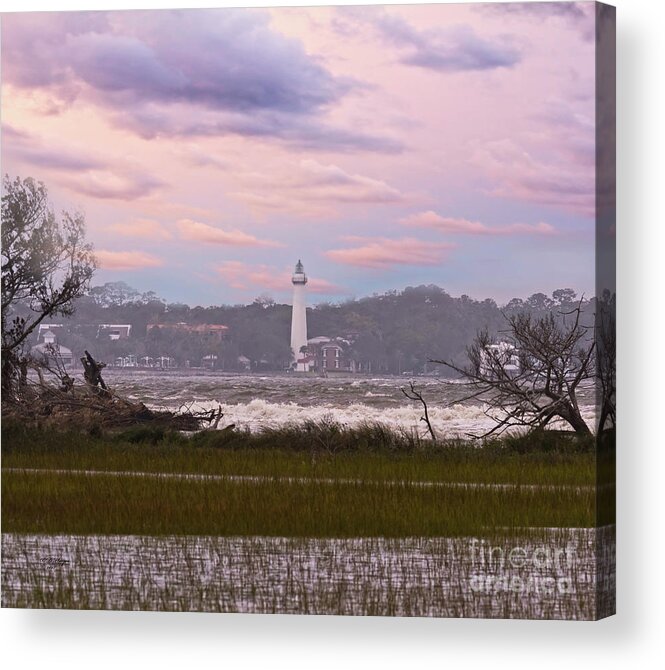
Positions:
{"x": 532, "y": 377}
{"x": 414, "y": 394}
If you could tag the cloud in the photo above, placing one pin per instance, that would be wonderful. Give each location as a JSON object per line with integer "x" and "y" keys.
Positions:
{"x": 10, "y": 132}
{"x": 148, "y": 228}
{"x": 312, "y": 188}
{"x": 522, "y": 172}
{"x": 384, "y": 253}
{"x": 579, "y": 15}
{"x": 329, "y": 182}
{"x": 200, "y": 157}
{"x": 301, "y": 131}
{"x": 243, "y": 276}
{"x": 79, "y": 170}
{"x": 57, "y": 159}
{"x": 221, "y": 59}
{"x": 126, "y": 260}
{"x": 433, "y": 220}
{"x": 451, "y": 49}
{"x": 185, "y": 73}
{"x": 108, "y": 185}
{"x": 32, "y": 150}
{"x": 550, "y": 160}
{"x": 195, "y": 231}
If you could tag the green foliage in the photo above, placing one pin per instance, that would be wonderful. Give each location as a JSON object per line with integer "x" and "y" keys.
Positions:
{"x": 46, "y": 265}
{"x": 395, "y": 332}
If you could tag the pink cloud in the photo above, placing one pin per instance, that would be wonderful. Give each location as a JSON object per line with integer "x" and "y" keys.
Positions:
{"x": 108, "y": 185}
{"x": 126, "y": 260}
{"x": 550, "y": 169}
{"x": 244, "y": 276}
{"x": 311, "y": 188}
{"x": 91, "y": 173}
{"x": 195, "y": 231}
{"x": 382, "y": 253}
{"x": 433, "y": 220}
{"x": 148, "y": 228}
{"x": 329, "y": 182}
{"x": 154, "y": 207}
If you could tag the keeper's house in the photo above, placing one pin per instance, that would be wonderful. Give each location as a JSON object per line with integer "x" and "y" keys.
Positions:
{"x": 49, "y": 352}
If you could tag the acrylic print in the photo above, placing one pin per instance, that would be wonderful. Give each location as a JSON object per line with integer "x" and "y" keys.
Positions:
{"x": 310, "y": 310}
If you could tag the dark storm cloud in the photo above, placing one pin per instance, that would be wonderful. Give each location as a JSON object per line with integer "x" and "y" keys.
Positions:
{"x": 453, "y": 49}
{"x": 156, "y": 72}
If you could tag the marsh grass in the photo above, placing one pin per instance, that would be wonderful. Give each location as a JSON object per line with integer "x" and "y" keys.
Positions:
{"x": 284, "y": 483}
{"x": 54, "y": 502}
{"x": 317, "y": 519}
{"x": 362, "y": 576}
{"x": 311, "y": 450}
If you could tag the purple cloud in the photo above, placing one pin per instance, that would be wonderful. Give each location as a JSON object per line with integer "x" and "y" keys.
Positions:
{"x": 453, "y": 49}
{"x": 227, "y": 69}
{"x": 577, "y": 14}
{"x": 300, "y": 131}
{"x": 79, "y": 171}
{"x": 571, "y": 10}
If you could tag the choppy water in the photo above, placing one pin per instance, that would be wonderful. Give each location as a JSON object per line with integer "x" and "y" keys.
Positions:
{"x": 555, "y": 576}
{"x": 256, "y": 401}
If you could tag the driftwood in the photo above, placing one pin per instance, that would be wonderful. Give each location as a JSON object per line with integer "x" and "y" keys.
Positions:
{"x": 61, "y": 403}
{"x": 92, "y": 373}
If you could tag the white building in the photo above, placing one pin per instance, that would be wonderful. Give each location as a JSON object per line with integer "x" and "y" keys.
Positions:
{"x": 501, "y": 355}
{"x": 299, "y": 319}
{"x": 50, "y": 352}
{"x": 114, "y": 331}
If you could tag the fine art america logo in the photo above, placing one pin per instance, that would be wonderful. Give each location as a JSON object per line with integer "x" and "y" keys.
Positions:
{"x": 535, "y": 569}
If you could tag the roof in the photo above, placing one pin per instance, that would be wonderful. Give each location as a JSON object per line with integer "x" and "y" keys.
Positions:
{"x": 191, "y": 328}
{"x": 48, "y": 349}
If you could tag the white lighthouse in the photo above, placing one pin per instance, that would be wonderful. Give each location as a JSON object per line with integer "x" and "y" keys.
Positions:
{"x": 299, "y": 318}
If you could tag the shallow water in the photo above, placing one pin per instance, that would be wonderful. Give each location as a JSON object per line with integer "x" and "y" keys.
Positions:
{"x": 260, "y": 401}
{"x": 552, "y": 576}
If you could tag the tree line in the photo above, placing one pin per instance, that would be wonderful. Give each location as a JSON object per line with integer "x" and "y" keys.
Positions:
{"x": 395, "y": 332}
{"x": 526, "y": 359}
{"x": 47, "y": 268}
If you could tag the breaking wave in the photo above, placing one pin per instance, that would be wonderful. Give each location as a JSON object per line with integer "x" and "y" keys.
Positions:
{"x": 260, "y": 402}
{"x": 259, "y": 414}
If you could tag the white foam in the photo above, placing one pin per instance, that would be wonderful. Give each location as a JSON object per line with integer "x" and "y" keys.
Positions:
{"x": 259, "y": 414}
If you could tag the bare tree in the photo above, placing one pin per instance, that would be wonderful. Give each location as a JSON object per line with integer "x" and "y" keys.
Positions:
{"x": 414, "y": 394}
{"x": 533, "y": 375}
{"x": 46, "y": 265}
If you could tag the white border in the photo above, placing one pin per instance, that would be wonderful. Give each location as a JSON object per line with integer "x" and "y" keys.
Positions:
{"x": 49, "y": 639}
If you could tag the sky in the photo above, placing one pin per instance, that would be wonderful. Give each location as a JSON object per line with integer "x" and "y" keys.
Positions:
{"x": 386, "y": 147}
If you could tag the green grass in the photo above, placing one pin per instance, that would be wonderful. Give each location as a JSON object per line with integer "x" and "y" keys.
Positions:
{"x": 387, "y": 502}
{"x": 290, "y": 453}
{"x": 75, "y": 504}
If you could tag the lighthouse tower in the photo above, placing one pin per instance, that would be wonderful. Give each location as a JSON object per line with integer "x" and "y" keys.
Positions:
{"x": 299, "y": 318}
